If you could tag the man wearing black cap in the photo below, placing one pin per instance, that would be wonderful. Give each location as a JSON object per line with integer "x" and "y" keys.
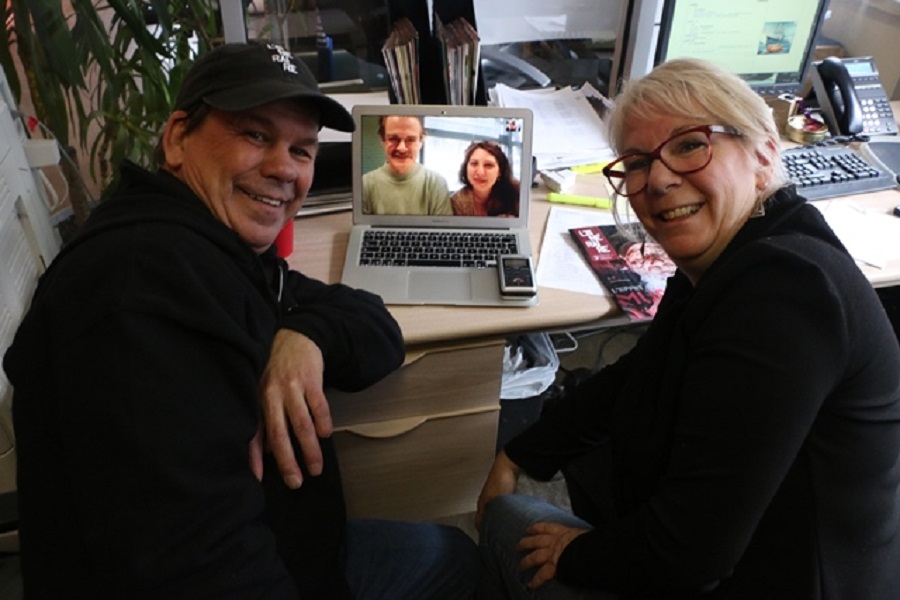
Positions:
{"x": 153, "y": 340}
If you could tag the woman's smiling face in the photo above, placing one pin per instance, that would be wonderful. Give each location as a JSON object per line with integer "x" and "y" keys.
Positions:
{"x": 482, "y": 172}
{"x": 694, "y": 216}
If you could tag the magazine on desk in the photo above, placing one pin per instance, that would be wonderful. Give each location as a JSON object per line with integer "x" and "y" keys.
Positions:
{"x": 634, "y": 272}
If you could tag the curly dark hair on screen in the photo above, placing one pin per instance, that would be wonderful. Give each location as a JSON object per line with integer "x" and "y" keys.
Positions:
{"x": 504, "y": 199}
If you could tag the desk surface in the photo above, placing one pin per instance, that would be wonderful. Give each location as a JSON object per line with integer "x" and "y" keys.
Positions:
{"x": 883, "y": 201}
{"x": 321, "y": 242}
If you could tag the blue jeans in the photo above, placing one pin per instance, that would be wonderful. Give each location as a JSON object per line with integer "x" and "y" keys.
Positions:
{"x": 505, "y": 522}
{"x": 403, "y": 560}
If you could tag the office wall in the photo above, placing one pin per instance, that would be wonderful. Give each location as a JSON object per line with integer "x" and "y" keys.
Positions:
{"x": 869, "y": 28}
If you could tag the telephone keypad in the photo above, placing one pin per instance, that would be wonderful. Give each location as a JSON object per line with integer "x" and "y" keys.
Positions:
{"x": 877, "y": 115}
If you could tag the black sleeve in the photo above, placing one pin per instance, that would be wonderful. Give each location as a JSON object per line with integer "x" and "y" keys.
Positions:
{"x": 573, "y": 426}
{"x": 763, "y": 356}
{"x": 360, "y": 340}
{"x": 134, "y": 448}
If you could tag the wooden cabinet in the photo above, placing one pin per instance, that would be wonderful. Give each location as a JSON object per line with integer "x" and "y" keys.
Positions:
{"x": 418, "y": 444}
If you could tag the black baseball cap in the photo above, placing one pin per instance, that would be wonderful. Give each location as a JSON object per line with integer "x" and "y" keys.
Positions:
{"x": 237, "y": 77}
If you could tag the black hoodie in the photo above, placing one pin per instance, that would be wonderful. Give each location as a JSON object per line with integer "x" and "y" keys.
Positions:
{"x": 135, "y": 378}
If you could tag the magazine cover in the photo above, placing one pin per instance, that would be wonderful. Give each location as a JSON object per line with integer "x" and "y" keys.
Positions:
{"x": 635, "y": 273}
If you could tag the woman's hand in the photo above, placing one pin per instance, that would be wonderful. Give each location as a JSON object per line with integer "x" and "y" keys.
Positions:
{"x": 502, "y": 479}
{"x": 544, "y": 544}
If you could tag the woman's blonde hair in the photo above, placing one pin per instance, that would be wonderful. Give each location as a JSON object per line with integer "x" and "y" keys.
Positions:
{"x": 693, "y": 88}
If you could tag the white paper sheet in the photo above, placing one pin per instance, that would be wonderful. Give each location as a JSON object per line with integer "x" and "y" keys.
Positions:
{"x": 567, "y": 129}
{"x": 560, "y": 263}
{"x": 871, "y": 237}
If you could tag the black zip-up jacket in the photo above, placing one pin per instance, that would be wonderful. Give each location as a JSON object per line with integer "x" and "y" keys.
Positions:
{"x": 754, "y": 431}
{"x": 135, "y": 377}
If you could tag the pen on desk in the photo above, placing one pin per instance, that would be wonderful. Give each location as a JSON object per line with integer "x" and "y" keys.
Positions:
{"x": 578, "y": 200}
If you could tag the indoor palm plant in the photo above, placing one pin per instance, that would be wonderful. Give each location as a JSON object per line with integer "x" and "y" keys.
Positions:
{"x": 101, "y": 74}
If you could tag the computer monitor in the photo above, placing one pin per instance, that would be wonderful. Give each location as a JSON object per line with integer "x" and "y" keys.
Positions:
{"x": 535, "y": 43}
{"x": 768, "y": 43}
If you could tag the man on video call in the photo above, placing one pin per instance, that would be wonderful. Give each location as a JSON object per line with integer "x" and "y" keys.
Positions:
{"x": 402, "y": 186}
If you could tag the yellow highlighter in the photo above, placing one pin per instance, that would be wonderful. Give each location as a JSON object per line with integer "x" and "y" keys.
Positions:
{"x": 589, "y": 168}
{"x": 592, "y": 201}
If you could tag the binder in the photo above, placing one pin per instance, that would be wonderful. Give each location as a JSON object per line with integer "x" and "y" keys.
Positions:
{"x": 430, "y": 62}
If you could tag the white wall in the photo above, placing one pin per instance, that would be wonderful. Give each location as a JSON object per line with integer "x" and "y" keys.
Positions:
{"x": 869, "y": 28}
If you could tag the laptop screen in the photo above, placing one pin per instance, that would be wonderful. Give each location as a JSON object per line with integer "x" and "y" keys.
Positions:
{"x": 447, "y": 165}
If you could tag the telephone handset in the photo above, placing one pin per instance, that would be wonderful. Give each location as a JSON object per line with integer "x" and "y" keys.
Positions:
{"x": 851, "y": 97}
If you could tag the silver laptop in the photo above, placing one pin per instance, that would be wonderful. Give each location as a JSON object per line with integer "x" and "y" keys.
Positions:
{"x": 419, "y": 196}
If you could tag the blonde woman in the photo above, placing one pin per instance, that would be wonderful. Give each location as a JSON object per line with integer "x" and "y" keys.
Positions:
{"x": 747, "y": 447}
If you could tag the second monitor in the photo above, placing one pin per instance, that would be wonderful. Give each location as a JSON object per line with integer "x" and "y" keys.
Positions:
{"x": 768, "y": 44}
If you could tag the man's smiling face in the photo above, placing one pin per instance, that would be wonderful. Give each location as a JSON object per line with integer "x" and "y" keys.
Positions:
{"x": 402, "y": 143}
{"x": 252, "y": 169}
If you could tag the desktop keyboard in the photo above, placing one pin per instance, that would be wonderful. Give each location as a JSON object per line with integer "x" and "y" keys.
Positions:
{"x": 828, "y": 171}
{"x": 434, "y": 248}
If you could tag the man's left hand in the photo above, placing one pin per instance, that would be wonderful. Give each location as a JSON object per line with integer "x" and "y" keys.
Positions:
{"x": 291, "y": 390}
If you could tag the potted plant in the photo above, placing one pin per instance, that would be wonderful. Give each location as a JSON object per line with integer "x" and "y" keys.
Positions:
{"x": 102, "y": 74}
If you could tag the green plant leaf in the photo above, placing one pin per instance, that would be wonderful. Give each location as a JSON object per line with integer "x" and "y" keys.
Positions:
{"x": 55, "y": 42}
{"x": 101, "y": 67}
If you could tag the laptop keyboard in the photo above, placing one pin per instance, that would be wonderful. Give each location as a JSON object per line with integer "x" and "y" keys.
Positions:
{"x": 399, "y": 248}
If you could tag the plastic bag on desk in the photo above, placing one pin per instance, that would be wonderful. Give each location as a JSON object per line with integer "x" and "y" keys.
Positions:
{"x": 530, "y": 363}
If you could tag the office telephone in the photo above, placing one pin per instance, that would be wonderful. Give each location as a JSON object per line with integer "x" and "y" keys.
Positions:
{"x": 851, "y": 97}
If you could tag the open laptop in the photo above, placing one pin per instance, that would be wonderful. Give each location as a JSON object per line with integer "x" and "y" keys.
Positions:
{"x": 422, "y": 277}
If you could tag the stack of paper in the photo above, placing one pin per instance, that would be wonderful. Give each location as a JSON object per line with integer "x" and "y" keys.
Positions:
{"x": 568, "y": 128}
{"x": 401, "y": 58}
{"x": 326, "y": 203}
{"x": 460, "y": 55}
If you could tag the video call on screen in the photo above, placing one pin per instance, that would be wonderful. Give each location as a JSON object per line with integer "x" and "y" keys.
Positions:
{"x": 445, "y": 143}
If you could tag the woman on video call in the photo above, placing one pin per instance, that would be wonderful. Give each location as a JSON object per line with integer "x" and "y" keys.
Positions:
{"x": 489, "y": 188}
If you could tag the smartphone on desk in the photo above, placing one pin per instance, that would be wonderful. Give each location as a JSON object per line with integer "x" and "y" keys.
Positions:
{"x": 516, "y": 274}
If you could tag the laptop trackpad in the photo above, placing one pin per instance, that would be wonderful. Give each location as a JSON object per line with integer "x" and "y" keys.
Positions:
{"x": 440, "y": 286}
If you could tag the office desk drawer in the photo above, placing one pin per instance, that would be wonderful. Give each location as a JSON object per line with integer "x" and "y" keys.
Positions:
{"x": 419, "y": 443}
{"x": 440, "y": 382}
{"x": 435, "y": 469}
